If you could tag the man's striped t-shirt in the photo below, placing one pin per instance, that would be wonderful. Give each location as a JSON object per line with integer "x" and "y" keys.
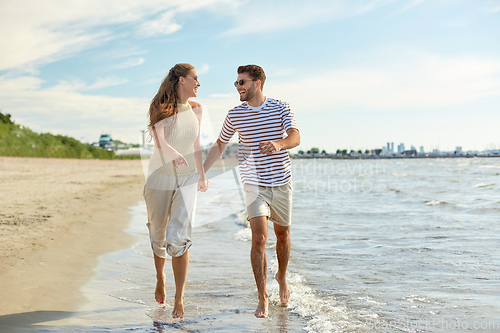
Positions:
{"x": 268, "y": 122}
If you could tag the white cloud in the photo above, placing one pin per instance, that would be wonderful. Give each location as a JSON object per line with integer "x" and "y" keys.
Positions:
{"x": 216, "y": 106}
{"x": 405, "y": 8}
{"x": 106, "y": 82}
{"x": 276, "y": 72}
{"x": 130, "y": 63}
{"x": 117, "y": 53}
{"x": 164, "y": 25}
{"x": 416, "y": 80}
{"x": 408, "y": 79}
{"x": 495, "y": 10}
{"x": 156, "y": 81}
{"x": 202, "y": 69}
{"x": 266, "y": 16}
{"x": 63, "y": 110}
{"x": 225, "y": 96}
{"x": 39, "y": 32}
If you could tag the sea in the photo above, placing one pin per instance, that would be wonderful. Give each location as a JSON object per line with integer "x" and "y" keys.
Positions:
{"x": 385, "y": 245}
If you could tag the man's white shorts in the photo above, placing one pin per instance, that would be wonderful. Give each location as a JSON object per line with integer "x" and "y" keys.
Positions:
{"x": 273, "y": 202}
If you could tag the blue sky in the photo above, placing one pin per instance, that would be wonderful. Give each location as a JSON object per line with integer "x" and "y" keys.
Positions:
{"x": 356, "y": 73}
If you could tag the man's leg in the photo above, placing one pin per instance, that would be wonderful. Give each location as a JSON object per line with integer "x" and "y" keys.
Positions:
{"x": 283, "y": 253}
{"x": 259, "y": 261}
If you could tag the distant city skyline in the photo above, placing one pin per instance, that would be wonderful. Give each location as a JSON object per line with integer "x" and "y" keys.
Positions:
{"x": 357, "y": 74}
{"x": 386, "y": 149}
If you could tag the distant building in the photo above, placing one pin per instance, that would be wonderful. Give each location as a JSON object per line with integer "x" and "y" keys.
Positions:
{"x": 106, "y": 142}
{"x": 392, "y": 148}
{"x": 435, "y": 151}
{"x": 458, "y": 151}
{"x": 413, "y": 148}
{"x": 401, "y": 148}
{"x": 421, "y": 150}
{"x": 409, "y": 152}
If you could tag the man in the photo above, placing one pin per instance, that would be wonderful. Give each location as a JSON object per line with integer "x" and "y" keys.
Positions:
{"x": 265, "y": 169}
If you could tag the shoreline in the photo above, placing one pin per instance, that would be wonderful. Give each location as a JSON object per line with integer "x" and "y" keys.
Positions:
{"x": 58, "y": 216}
{"x": 385, "y": 157}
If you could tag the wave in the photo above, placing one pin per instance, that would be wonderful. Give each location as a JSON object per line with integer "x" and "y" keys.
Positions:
{"x": 483, "y": 185}
{"x": 322, "y": 314}
{"x": 244, "y": 235}
{"x": 396, "y": 174}
{"x": 139, "y": 295}
{"x": 417, "y": 299}
{"x": 435, "y": 203}
{"x": 392, "y": 189}
{"x": 241, "y": 218}
{"x": 444, "y": 205}
{"x": 486, "y": 210}
{"x": 490, "y": 166}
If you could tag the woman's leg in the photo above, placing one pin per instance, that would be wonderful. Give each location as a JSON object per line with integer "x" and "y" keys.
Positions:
{"x": 179, "y": 236}
{"x": 158, "y": 208}
{"x": 180, "y": 267}
{"x": 160, "y": 279}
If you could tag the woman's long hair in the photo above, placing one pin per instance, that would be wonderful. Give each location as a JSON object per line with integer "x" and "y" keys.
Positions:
{"x": 164, "y": 104}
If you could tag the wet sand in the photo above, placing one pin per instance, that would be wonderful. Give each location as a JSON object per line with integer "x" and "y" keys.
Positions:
{"x": 220, "y": 293}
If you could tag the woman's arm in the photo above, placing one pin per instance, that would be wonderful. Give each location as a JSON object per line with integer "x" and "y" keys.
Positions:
{"x": 161, "y": 143}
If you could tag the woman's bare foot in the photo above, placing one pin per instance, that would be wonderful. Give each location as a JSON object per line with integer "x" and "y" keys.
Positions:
{"x": 178, "y": 311}
{"x": 284, "y": 291}
{"x": 261, "y": 311}
{"x": 160, "y": 294}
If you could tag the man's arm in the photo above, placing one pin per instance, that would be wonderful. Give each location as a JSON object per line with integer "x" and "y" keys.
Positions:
{"x": 291, "y": 141}
{"x": 214, "y": 154}
{"x": 198, "y": 152}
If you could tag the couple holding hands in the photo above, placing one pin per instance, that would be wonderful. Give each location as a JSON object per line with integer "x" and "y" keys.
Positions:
{"x": 266, "y": 129}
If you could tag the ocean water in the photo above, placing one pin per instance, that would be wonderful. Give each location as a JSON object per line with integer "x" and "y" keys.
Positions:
{"x": 399, "y": 245}
{"x": 377, "y": 246}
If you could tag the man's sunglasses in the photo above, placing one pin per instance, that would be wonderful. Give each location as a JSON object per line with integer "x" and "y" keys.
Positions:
{"x": 241, "y": 82}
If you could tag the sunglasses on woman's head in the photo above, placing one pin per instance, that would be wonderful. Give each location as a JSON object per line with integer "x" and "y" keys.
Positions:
{"x": 241, "y": 82}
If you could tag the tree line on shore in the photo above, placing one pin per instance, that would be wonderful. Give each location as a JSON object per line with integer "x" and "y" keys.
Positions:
{"x": 18, "y": 140}
{"x": 315, "y": 151}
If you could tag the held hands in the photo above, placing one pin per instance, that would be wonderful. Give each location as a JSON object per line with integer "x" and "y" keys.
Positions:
{"x": 269, "y": 147}
{"x": 202, "y": 184}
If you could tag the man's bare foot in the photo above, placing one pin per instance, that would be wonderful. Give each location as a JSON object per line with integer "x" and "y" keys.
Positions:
{"x": 160, "y": 289}
{"x": 178, "y": 311}
{"x": 261, "y": 311}
{"x": 284, "y": 291}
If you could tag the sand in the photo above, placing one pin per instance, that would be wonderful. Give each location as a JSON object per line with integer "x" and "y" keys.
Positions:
{"x": 57, "y": 216}
{"x": 68, "y": 266}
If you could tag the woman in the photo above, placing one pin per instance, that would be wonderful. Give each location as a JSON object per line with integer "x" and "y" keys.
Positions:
{"x": 172, "y": 183}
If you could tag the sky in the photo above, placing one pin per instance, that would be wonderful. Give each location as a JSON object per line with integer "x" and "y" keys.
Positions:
{"x": 356, "y": 73}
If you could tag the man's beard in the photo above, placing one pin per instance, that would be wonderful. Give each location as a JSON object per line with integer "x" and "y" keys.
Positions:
{"x": 249, "y": 94}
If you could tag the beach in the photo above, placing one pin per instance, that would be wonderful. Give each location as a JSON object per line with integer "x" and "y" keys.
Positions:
{"x": 377, "y": 246}
{"x": 57, "y": 217}
{"x": 85, "y": 264}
